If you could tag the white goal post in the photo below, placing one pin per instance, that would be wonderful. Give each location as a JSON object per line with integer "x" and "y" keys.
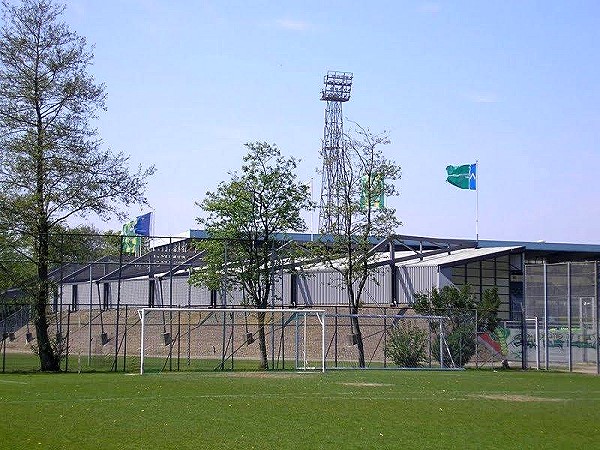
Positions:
{"x": 277, "y": 318}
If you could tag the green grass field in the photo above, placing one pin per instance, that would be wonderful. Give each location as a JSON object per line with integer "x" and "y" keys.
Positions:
{"x": 349, "y": 409}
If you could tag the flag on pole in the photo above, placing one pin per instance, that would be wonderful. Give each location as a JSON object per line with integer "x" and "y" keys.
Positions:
{"x": 142, "y": 225}
{"x": 130, "y": 240}
{"x": 463, "y": 177}
{"x": 133, "y": 230}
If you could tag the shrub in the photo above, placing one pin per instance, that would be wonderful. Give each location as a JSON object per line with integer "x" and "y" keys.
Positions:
{"x": 461, "y": 345}
{"x": 406, "y": 345}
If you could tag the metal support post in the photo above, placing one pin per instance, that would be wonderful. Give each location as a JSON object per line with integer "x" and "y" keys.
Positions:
{"x": 546, "y": 349}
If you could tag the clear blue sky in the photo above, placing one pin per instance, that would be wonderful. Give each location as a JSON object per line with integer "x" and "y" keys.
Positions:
{"x": 513, "y": 84}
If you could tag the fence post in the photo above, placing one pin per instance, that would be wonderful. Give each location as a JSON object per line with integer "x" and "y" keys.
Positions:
{"x": 125, "y": 339}
{"x": 4, "y": 350}
{"x": 116, "y": 363}
{"x": 569, "y": 318}
{"x": 597, "y": 318}
{"x": 178, "y": 336}
{"x": 90, "y": 319}
{"x": 546, "y": 349}
{"x": 384, "y": 337}
{"x": 68, "y": 339}
{"x": 441, "y": 345}
{"x": 335, "y": 336}
{"x": 476, "y": 342}
{"x": 524, "y": 340}
{"x": 171, "y": 303}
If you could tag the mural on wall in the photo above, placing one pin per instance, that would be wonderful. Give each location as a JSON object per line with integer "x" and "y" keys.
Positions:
{"x": 508, "y": 342}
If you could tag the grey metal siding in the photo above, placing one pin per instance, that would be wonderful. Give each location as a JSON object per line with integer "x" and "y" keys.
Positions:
{"x": 415, "y": 279}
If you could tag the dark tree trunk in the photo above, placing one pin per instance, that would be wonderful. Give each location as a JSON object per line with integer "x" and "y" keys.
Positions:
{"x": 262, "y": 341}
{"x": 49, "y": 360}
{"x": 357, "y": 337}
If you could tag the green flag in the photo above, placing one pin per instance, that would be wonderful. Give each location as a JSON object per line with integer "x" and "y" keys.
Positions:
{"x": 463, "y": 177}
{"x": 130, "y": 241}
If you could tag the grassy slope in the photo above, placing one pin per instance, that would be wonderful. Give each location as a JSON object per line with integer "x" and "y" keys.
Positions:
{"x": 375, "y": 409}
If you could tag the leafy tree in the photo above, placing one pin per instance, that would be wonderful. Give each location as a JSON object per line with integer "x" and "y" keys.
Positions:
{"x": 487, "y": 310}
{"x": 16, "y": 269}
{"x": 460, "y": 305}
{"x": 359, "y": 217}
{"x": 82, "y": 244}
{"x": 52, "y": 164}
{"x": 245, "y": 218}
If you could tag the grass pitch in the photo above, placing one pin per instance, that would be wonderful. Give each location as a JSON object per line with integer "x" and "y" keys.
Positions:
{"x": 349, "y": 410}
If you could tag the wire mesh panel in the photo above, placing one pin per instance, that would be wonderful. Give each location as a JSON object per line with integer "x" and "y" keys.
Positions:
{"x": 563, "y": 299}
{"x": 231, "y": 339}
{"x": 583, "y": 315}
{"x": 390, "y": 341}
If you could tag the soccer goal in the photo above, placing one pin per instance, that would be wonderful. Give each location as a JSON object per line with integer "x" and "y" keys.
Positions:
{"x": 228, "y": 338}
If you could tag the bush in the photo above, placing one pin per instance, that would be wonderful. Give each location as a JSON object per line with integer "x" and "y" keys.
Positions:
{"x": 461, "y": 344}
{"x": 406, "y": 345}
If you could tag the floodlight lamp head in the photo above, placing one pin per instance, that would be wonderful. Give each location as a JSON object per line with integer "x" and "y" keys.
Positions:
{"x": 337, "y": 86}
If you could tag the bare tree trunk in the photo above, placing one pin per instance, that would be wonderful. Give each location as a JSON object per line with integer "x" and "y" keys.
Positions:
{"x": 262, "y": 341}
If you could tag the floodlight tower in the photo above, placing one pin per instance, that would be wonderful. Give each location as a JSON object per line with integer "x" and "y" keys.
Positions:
{"x": 335, "y": 92}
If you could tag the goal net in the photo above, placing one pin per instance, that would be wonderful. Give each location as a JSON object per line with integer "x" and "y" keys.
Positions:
{"x": 230, "y": 339}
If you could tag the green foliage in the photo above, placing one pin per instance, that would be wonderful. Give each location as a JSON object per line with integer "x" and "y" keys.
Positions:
{"x": 407, "y": 345}
{"x": 16, "y": 268}
{"x": 459, "y": 342}
{"x": 82, "y": 244}
{"x": 460, "y": 305}
{"x": 487, "y": 311}
{"x": 248, "y": 217}
{"x": 52, "y": 165}
{"x": 358, "y": 214}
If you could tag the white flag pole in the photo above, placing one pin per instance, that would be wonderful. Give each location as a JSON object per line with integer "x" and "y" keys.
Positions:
{"x": 477, "y": 200}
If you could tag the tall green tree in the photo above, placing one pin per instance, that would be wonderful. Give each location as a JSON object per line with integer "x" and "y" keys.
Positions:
{"x": 247, "y": 216}
{"x": 359, "y": 218}
{"x": 52, "y": 166}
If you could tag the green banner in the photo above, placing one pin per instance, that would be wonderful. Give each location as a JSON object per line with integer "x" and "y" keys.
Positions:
{"x": 463, "y": 177}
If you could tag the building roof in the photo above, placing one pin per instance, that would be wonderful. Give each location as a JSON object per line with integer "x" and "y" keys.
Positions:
{"x": 460, "y": 256}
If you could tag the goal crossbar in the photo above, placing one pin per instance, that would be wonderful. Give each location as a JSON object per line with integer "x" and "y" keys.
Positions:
{"x": 318, "y": 313}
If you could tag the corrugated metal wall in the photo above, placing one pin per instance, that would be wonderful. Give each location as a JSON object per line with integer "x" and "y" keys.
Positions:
{"x": 413, "y": 279}
{"x": 314, "y": 288}
{"x": 327, "y": 288}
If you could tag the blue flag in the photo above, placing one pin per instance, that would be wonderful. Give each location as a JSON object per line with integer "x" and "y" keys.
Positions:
{"x": 142, "y": 225}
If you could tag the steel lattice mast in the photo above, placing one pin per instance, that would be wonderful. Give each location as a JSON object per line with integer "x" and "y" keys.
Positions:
{"x": 335, "y": 92}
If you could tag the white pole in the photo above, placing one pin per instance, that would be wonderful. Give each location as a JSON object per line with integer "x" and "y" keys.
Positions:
{"x": 477, "y": 200}
{"x": 546, "y": 349}
{"x": 323, "y": 343}
{"x": 312, "y": 211}
{"x": 143, "y": 317}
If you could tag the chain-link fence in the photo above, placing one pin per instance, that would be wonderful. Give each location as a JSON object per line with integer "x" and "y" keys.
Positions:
{"x": 562, "y": 316}
{"x": 93, "y": 311}
{"x": 109, "y": 340}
